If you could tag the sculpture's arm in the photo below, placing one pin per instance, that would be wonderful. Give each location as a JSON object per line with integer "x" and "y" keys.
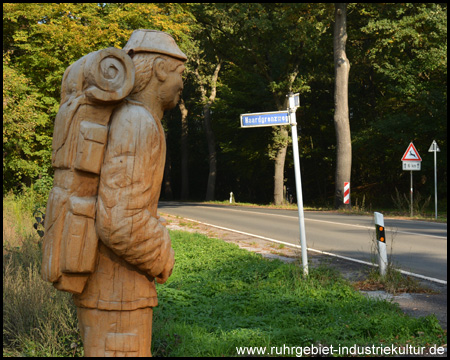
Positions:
{"x": 124, "y": 222}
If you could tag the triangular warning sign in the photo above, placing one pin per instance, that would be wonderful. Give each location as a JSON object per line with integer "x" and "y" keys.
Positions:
{"x": 434, "y": 147}
{"x": 411, "y": 154}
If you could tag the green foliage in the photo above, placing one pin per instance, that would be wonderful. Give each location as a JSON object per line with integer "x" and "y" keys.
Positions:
{"x": 40, "y": 41}
{"x": 26, "y": 143}
{"x": 54, "y": 35}
{"x": 397, "y": 89}
{"x": 398, "y": 77}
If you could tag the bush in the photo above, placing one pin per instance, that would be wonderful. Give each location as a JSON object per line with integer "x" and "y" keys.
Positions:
{"x": 38, "y": 320}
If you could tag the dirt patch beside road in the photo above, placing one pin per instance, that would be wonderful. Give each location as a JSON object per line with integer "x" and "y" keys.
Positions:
{"x": 413, "y": 304}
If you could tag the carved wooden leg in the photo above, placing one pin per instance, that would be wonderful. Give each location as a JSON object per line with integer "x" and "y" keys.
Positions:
{"x": 108, "y": 333}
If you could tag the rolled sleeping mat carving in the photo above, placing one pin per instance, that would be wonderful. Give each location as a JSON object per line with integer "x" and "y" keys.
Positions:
{"x": 109, "y": 75}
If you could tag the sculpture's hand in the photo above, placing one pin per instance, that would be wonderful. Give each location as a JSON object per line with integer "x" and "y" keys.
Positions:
{"x": 167, "y": 271}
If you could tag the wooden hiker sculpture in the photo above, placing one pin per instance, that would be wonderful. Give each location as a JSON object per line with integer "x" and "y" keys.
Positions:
{"x": 103, "y": 240}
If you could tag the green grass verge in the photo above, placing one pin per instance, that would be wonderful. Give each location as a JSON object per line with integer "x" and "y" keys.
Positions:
{"x": 221, "y": 297}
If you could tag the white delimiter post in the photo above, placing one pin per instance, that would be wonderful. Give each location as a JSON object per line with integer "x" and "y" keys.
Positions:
{"x": 381, "y": 242}
{"x": 298, "y": 183}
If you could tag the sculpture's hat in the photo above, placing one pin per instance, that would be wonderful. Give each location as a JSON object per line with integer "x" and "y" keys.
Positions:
{"x": 154, "y": 41}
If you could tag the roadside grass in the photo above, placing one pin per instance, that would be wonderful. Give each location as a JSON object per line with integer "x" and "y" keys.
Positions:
{"x": 38, "y": 320}
{"x": 393, "y": 282}
{"x": 219, "y": 297}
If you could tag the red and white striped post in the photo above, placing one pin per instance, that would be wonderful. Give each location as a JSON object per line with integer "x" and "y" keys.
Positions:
{"x": 346, "y": 193}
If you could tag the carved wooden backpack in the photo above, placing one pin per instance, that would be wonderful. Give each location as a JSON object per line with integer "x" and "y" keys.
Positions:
{"x": 92, "y": 87}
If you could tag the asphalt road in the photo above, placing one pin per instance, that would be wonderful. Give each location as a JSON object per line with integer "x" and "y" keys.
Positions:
{"x": 417, "y": 246}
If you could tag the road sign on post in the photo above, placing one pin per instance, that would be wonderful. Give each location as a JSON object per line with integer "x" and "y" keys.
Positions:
{"x": 411, "y": 165}
{"x": 411, "y": 154}
{"x": 286, "y": 118}
{"x": 265, "y": 119}
{"x": 294, "y": 100}
{"x": 435, "y": 148}
{"x": 411, "y": 161}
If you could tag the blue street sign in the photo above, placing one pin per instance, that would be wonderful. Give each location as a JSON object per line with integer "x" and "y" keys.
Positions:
{"x": 265, "y": 119}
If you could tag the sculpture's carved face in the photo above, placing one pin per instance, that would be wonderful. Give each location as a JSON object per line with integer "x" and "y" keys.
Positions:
{"x": 170, "y": 89}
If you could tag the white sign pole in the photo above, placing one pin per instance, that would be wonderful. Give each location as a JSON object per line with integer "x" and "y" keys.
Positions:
{"x": 411, "y": 193}
{"x": 435, "y": 185}
{"x": 435, "y": 148}
{"x": 298, "y": 183}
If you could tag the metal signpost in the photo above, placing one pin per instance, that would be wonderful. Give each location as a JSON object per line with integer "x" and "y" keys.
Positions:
{"x": 294, "y": 103}
{"x": 411, "y": 161}
{"x": 435, "y": 148}
{"x": 286, "y": 118}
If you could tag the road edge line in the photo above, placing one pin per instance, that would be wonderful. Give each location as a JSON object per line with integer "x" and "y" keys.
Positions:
{"x": 443, "y": 282}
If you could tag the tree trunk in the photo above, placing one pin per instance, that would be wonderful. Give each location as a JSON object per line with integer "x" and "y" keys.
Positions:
{"x": 167, "y": 177}
{"x": 184, "y": 152}
{"x": 282, "y": 138}
{"x": 280, "y": 159}
{"x": 208, "y": 101}
{"x": 341, "y": 114}
{"x": 211, "y": 187}
{"x": 281, "y": 135}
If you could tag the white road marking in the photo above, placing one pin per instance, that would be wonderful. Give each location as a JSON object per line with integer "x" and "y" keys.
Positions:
{"x": 317, "y": 251}
{"x": 331, "y": 222}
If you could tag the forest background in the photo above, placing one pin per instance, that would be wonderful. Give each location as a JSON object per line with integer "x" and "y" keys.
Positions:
{"x": 245, "y": 58}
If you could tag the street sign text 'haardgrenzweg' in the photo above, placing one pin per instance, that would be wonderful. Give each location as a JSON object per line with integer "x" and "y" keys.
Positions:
{"x": 265, "y": 119}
